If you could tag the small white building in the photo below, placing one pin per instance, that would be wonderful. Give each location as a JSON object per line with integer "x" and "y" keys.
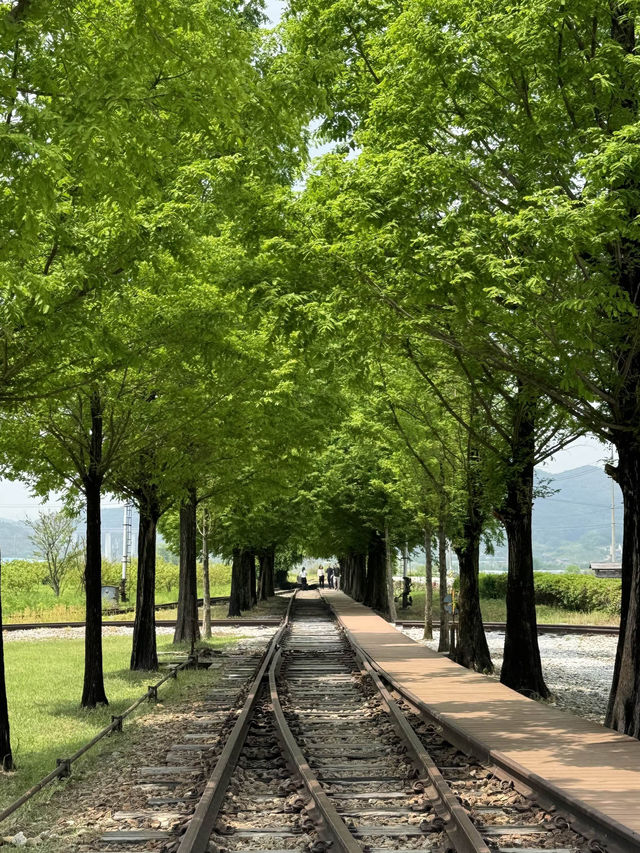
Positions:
{"x": 606, "y": 570}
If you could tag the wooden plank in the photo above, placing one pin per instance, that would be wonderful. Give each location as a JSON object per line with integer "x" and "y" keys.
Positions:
{"x": 595, "y": 765}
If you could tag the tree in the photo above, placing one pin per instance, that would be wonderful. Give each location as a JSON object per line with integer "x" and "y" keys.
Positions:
{"x": 55, "y": 540}
{"x": 204, "y": 529}
{"x": 512, "y": 164}
{"x": 428, "y": 584}
{"x": 6, "y": 755}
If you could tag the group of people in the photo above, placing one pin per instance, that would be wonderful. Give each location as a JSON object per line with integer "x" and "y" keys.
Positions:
{"x": 333, "y": 578}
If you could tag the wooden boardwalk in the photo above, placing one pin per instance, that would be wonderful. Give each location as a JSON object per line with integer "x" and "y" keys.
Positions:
{"x": 586, "y": 761}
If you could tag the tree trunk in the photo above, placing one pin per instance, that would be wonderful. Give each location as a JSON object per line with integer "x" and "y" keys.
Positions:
{"x": 93, "y": 692}
{"x": 345, "y": 574}
{"x": 623, "y": 712}
{"x": 143, "y": 653}
{"x": 235, "y": 596}
{"x": 266, "y": 561}
{"x": 206, "y": 585}
{"x": 358, "y": 576}
{"x": 376, "y": 584}
{"x": 187, "y": 628}
{"x": 389, "y": 573}
{"x": 251, "y": 570}
{"x": 443, "y": 642}
{"x": 246, "y": 598}
{"x": 261, "y": 555}
{"x": 271, "y": 571}
{"x": 93, "y": 688}
{"x": 471, "y": 650}
{"x": 428, "y": 585}
{"x": 521, "y": 666}
{"x": 342, "y": 569}
{"x": 6, "y": 756}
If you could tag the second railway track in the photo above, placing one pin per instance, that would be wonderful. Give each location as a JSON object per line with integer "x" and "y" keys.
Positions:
{"x": 321, "y": 756}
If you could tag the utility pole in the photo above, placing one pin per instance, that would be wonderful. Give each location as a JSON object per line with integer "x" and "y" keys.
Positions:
{"x": 126, "y": 548}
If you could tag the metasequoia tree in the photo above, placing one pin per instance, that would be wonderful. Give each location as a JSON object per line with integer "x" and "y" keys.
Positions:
{"x": 6, "y": 755}
{"x": 414, "y": 252}
{"x": 75, "y": 444}
{"x": 508, "y": 143}
{"x": 85, "y": 156}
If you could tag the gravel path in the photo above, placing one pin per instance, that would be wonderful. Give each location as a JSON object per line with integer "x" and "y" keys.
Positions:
{"x": 578, "y": 668}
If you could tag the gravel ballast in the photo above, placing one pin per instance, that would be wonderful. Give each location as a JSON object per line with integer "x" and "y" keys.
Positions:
{"x": 578, "y": 668}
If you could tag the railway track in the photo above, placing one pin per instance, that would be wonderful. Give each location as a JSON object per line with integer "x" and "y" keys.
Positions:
{"x": 319, "y": 755}
{"x": 542, "y": 628}
{"x": 128, "y": 623}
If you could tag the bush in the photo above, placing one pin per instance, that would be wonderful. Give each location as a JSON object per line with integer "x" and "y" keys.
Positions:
{"x": 167, "y": 576}
{"x": 578, "y": 592}
{"x": 568, "y": 591}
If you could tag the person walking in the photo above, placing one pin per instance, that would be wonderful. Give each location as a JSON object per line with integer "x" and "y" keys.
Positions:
{"x": 330, "y": 577}
{"x": 303, "y": 577}
{"x": 336, "y": 580}
{"x": 321, "y": 576}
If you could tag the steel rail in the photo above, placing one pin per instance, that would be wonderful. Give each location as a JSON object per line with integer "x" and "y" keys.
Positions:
{"x": 128, "y": 623}
{"x": 167, "y": 605}
{"x": 581, "y": 817}
{"x": 196, "y": 838}
{"x": 63, "y": 768}
{"x": 334, "y": 825}
{"x": 613, "y": 630}
{"x": 585, "y": 819}
{"x": 463, "y": 835}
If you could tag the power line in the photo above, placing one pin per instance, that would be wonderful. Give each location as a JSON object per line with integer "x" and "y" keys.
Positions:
{"x": 581, "y": 503}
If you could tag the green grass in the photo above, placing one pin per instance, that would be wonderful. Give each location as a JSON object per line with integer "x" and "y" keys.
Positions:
{"x": 44, "y": 685}
{"x": 495, "y": 610}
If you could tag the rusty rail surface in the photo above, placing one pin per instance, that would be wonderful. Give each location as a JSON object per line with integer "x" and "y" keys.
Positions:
{"x": 128, "y": 623}
{"x": 542, "y": 628}
{"x": 588, "y": 821}
{"x": 334, "y": 824}
{"x": 196, "y": 838}
{"x": 462, "y": 833}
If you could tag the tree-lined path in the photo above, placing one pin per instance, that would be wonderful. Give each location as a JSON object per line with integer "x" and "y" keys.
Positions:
{"x": 343, "y": 358}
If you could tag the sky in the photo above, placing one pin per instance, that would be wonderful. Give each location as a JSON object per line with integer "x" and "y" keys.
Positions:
{"x": 274, "y": 9}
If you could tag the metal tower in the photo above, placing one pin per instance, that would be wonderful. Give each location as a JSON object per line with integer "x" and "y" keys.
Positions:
{"x": 126, "y": 548}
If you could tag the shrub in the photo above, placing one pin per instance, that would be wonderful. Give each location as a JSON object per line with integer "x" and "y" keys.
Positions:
{"x": 167, "y": 576}
{"x": 567, "y": 591}
{"x": 578, "y": 592}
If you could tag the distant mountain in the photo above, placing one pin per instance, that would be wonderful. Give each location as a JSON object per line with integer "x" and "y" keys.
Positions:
{"x": 572, "y": 523}
{"x": 14, "y": 540}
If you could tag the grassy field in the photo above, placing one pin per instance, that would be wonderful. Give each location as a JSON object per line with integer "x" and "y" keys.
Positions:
{"x": 495, "y": 610}
{"x": 44, "y": 685}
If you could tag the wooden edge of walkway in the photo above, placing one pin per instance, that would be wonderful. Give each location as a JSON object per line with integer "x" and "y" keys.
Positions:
{"x": 586, "y": 819}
